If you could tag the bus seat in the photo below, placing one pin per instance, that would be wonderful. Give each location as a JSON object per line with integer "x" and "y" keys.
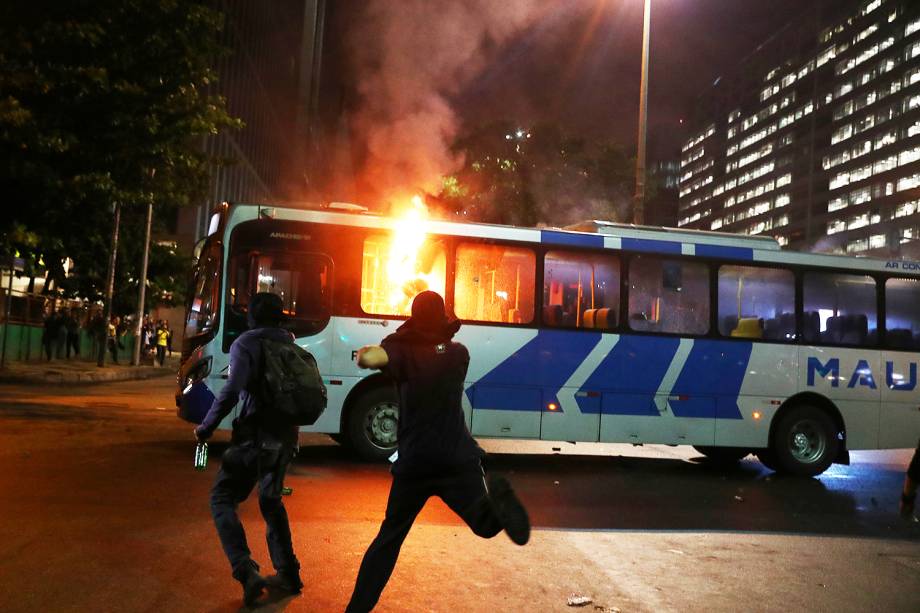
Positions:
{"x": 552, "y": 315}
{"x": 811, "y": 326}
{"x": 854, "y": 329}
{"x": 588, "y": 318}
{"x": 771, "y": 329}
{"x": 900, "y": 338}
{"x": 601, "y": 318}
{"x": 834, "y": 331}
{"x": 787, "y": 325}
{"x": 729, "y": 323}
{"x": 748, "y": 327}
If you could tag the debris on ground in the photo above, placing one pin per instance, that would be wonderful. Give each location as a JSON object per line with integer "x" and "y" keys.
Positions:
{"x": 677, "y": 551}
{"x": 579, "y": 600}
{"x": 555, "y": 483}
{"x": 739, "y": 498}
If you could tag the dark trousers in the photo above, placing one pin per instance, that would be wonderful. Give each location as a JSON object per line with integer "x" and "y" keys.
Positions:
{"x": 913, "y": 469}
{"x": 73, "y": 343}
{"x": 242, "y": 467}
{"x": 464, "y": 492}
{"x": 113, "y": 349}
{"x": 161, "y": 354}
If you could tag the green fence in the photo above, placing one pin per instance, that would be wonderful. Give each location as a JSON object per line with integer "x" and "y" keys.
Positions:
{"x": 24, "y": 343}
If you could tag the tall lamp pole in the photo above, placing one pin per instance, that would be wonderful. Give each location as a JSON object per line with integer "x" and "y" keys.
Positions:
{"x": 639, "y": 199}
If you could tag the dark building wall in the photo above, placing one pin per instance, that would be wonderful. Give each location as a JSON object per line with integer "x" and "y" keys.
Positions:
{"x": 815, "y": 139}
{"x": 268, "y": 82}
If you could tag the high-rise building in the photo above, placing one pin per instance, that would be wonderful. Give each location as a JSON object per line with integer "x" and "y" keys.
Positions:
{"x": 815, "y": 139}
{"x": 269, "y": 80}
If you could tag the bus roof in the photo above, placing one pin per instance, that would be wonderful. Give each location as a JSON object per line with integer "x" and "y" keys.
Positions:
{"x": 592, "y": 234}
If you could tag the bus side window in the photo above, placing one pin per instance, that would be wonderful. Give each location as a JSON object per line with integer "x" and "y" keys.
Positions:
{"x": 842, "y": 305}
{"x": 581, "y": 290}
{"x": 756, "y": 302}
{"x": 902, "y": 317}
{"x": 669, "y": 296}
{"x": 495, "y": 283}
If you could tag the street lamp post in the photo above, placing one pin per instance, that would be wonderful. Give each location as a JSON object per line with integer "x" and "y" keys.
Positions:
{"x": 639, "y": 199}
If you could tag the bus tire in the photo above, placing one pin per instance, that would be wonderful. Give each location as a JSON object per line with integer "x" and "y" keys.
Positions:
{"x": 372, "y": 424}
{"x": 723, "y": 455}
{"x": 805, "y": 442}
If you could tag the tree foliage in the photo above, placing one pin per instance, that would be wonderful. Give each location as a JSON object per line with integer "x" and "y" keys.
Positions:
{"x": 103, "y": 102}
{"x": 540, "y": 175}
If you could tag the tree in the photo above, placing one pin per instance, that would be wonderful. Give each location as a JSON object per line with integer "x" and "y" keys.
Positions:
{"x": 539, "y": 175}
{"x": 103, "y": 102}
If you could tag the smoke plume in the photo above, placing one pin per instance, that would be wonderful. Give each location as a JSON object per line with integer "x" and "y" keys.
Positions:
{"x": 410, "y": 58}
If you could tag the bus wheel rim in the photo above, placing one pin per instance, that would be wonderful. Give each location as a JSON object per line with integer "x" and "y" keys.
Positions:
{"x": 807, "y": 441}
{"x": 380, "y": 424}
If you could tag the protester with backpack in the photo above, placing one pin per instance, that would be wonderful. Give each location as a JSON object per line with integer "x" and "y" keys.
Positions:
{"x": 436, "y": 456}
{"x": 279, "y": 388}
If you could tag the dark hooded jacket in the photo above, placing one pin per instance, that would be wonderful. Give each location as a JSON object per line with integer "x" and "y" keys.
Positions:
{"x": 243, "y": 381}
{"x": 429, "y": 370}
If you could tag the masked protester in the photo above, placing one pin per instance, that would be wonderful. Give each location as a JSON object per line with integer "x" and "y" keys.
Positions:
{"x": 436, "y": 455}
{"x": 259, "y": 453}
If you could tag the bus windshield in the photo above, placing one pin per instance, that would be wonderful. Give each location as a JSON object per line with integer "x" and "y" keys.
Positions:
{"x": 204, "y": 301}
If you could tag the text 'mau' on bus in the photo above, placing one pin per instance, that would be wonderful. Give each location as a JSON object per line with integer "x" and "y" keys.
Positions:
{"x": 601, "y": 332}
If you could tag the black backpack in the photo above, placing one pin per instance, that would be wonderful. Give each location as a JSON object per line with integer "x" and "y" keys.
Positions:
{"x": 293, "y": 393}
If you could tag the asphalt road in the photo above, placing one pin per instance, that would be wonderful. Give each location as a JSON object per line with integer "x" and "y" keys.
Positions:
{"x": 101, "y": 510}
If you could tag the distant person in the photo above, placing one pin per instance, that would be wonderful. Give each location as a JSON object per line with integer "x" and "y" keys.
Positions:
{"x": 60, "y": 335}
{"x": 162, "y": 341}
{"x": 259, "y": 453}
{"x": 436, "y": 455}
{"x": 911, "y": 481}
{"x": 49, "y": 334}
{"x": 72, "y": 326}
{"x": 169, "y": 336}
{"x": 97, "y": 331}
{"x": 112, "y": 338}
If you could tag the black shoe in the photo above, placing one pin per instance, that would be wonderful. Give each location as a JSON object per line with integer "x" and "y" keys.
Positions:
{"x": 253, "y": 587}
{"x": 509, "y": 509}
{"x": 285, "y": 582}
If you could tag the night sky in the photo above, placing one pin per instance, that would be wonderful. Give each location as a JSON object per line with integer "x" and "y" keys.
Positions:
{"x": 573, "y": 62}
{"x": 592, "y": 87}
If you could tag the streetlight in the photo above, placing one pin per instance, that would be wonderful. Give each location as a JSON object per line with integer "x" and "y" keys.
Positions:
{"x": 639, "y": 198}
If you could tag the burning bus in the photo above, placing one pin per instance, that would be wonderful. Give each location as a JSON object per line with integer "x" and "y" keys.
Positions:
{"x": 604, "y": 332}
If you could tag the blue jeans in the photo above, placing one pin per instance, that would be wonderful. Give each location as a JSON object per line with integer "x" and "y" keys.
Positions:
{"x": 242, "y": 467}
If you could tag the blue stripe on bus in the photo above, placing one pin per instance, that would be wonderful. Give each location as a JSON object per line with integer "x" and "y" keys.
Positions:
{"x": 720, "y": 251}
{"x": 711, "y": 380}
{"x": 548, "y": 361}
{"x": 634, "y": 370}
{"x": 649, "y": 245}
{"x": 571, "y": 239}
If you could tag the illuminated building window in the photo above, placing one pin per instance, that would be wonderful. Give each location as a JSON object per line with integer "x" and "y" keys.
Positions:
{"x": 860, "y": 244}
{"x": 906, "y": 209}
{"x": 912, "y": 27}
{"x": 908, "y": 182}
{"x": 836, "y": 226}
{"x": 782, "y": 240}
{"x": 786, "y": 179}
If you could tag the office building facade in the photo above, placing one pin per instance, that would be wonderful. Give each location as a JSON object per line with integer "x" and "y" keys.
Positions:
{"x": 269, "y": 80}
{"x": 816, "y": 138}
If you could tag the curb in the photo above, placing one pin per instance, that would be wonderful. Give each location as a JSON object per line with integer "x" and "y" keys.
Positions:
{"x": 84, "y": 378}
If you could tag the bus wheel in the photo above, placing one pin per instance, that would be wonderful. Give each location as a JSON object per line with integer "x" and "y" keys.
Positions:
{"x": 372, "y": 424}
{"x": 805, "y": 442}
{"x": 723, "y": 455}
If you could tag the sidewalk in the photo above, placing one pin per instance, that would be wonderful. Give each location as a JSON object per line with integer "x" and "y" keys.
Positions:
{"x": 79, "y": 371}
